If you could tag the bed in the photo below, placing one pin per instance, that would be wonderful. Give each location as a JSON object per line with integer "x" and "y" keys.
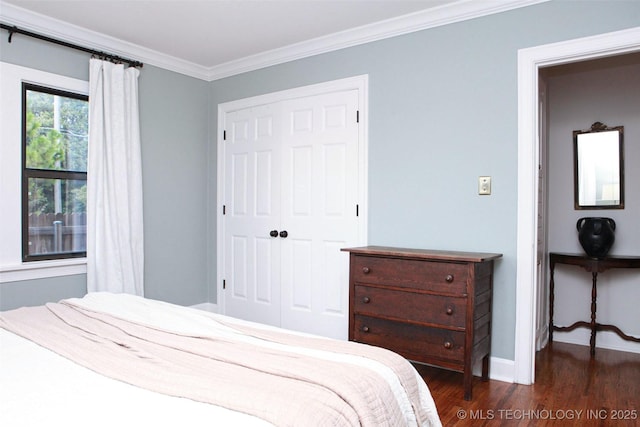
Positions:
{"x": 117, "y": 359}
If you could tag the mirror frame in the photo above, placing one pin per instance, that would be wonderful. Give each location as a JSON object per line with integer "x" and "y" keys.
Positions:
{"x": 598, "y": 127}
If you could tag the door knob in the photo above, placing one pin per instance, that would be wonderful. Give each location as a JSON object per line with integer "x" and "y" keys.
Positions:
{"x": 284, "y": 234}
{"x": 273, "y": 233}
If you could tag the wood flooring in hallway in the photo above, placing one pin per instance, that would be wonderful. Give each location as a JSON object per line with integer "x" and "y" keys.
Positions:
{"x": 571, "y": 389}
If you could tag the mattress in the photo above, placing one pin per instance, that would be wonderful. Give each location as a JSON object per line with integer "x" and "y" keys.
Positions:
{"x": 117, "y": 359}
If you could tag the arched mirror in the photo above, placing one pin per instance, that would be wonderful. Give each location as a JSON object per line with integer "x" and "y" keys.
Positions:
{"x": 598, "y": 167}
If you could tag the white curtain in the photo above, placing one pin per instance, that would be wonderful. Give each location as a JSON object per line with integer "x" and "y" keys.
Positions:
{"x": 115, "y": 253}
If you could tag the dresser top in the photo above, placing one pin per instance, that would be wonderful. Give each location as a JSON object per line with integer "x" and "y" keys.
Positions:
{"x": 430, "y": 254}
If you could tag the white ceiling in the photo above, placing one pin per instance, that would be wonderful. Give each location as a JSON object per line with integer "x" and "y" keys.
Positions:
{"x": 209, "y": 35}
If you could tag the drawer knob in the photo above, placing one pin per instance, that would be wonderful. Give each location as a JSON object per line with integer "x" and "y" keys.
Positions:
{"x": 365, "y": 329}
{"x": 449, "y": 278}
{"x": 447, "y": 345}
{"x": 365, "y": 270}
{"x": 449, "y": 310}
{"x": 366, "y": 300}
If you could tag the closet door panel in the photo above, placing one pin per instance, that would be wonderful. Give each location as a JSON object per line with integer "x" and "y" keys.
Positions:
{"x": 252, "y": 210}
{"x": 300, "y": 182}
{"x": 334, "y": 294}
{"x": 319, "y": 198}
{"x": 301, "y": 257}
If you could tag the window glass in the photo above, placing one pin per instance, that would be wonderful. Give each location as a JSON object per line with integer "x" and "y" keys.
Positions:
{"x": 55, "y": 136}
{"x": 57, "y": 131}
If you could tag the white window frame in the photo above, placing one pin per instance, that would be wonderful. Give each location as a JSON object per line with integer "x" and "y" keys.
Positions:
{"x": 12, "y": 268}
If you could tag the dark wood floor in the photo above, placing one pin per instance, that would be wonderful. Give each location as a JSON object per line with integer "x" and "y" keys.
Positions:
{"x": 571, "y": 389}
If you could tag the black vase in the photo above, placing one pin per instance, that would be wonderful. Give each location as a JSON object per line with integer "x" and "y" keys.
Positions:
{"x": 596, "y": 235}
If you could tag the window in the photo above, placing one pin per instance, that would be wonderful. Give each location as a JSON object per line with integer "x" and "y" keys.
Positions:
{"x": 13, "y": 267}
{"x": 54, "y": 173}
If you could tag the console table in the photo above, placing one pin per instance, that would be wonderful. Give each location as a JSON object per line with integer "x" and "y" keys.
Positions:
{"x": 594, "y": 266}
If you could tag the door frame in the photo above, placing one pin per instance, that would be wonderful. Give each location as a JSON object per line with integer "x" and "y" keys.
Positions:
{"x": 360, "y": 83}
{"x": 530, "y": 61}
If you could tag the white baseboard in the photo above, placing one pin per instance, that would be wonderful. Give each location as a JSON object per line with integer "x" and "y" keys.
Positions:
{"x": 504, "y": 369}
{"x": 499, "y": 369}
{"x": 207, "y": 306}
{"x": 604, "y": 339}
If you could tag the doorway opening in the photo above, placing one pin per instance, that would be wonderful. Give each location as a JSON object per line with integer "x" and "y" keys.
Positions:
{"x": 530, "y": 62}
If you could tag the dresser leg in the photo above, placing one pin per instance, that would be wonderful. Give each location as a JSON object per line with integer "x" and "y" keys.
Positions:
{"x": 468, "y": 381}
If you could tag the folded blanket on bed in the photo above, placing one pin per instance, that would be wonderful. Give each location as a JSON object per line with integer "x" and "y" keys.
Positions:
{"x": 279, "y": 386}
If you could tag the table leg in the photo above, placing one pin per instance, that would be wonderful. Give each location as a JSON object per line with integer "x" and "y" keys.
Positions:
{"x": 594, "y": 294}
{"x": 552, "y": 286}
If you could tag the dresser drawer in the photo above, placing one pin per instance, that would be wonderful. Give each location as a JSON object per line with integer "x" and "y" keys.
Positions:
{"x": 445, "y": 277}
{"x": 410, "y": 306}
{"x": 418, "y": 343}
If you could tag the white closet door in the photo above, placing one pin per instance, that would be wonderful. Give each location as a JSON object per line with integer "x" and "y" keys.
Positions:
{"x": 291, "y": 167}
{"x": 253, "y": 153}
{"x": 319, "y": 199}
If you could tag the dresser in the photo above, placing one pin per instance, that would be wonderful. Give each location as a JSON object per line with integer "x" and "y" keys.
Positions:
{"x": 430, "y": 306}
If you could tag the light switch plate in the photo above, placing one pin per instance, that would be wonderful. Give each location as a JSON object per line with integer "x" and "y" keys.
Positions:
{"x": 484, "y": 185}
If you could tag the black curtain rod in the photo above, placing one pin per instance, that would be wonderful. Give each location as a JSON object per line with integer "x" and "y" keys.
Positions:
{"x": 12, "y": 29}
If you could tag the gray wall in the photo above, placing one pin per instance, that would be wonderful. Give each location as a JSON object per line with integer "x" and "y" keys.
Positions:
{"x": 607, "y": 91}
{"x": 443, "y": 111}
{"x": 174, "y": 114}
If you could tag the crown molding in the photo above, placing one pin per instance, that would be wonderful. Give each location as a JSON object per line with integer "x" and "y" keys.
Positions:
{"x": 38, "y": 23}
{"x": 430, "y": 18}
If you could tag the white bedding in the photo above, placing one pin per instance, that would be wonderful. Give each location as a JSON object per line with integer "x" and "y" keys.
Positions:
{"x": 37, "y": 386}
